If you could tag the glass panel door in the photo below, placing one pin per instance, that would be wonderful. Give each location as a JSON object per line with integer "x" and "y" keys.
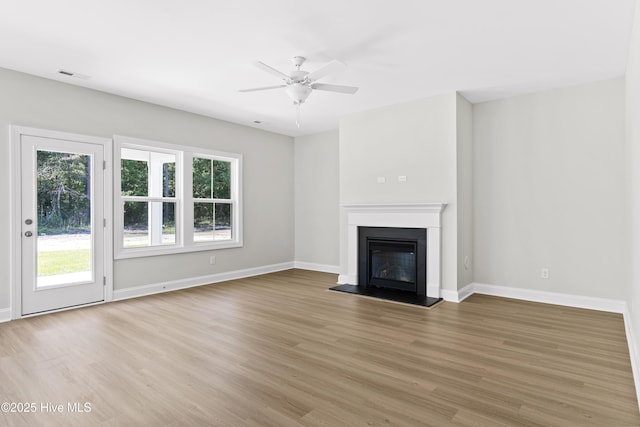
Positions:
{"x": 64, "y": 237}
{"x": 62, "y": 189}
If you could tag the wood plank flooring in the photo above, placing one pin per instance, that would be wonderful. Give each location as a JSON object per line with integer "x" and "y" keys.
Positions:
{"x": 281, "y": 350}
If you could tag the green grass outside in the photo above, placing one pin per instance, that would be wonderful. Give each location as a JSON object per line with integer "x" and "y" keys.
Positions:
{"x": 62, "y": 262}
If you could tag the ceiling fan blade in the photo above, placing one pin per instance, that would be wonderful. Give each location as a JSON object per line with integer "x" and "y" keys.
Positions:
{"x": 261, "y": 88}
{"x": 335, "y": 88}
{"x": 331, "y": 67}
{"x": 272, "y": 70}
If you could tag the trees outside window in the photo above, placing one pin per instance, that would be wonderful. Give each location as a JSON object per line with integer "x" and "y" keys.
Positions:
{"x": 64, "y": 192}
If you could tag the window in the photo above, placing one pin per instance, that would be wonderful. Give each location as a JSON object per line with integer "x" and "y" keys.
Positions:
{"x": 148, "y": 193}
{"x": 173, "y": 199}
{"x": 212, "y": 203}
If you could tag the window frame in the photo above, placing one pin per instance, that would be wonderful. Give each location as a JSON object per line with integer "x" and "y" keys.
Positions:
{"x": 183, "y": 198}
{"x": 212, "y": 200}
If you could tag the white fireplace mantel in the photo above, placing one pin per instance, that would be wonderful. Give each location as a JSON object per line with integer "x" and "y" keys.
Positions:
{"x": 420, "y": 215}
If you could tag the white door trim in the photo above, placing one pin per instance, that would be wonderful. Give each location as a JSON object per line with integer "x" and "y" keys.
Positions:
{"x": 15, "y": 273}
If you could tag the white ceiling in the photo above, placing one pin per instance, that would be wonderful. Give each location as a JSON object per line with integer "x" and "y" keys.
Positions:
{"x": 194, "y": 55}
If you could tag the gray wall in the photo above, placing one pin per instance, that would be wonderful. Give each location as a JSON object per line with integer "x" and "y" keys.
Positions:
{"x": 415, "y": 139}
{"x": 464, "y": 167}
{"x": 550, "y": 191}
{"x": 633, "y": 146}
{"x": 317, "y": 228}
{"x": 268, "y": 170}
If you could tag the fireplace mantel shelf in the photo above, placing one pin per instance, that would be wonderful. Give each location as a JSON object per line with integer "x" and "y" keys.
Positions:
{"x": 425, "y": 207}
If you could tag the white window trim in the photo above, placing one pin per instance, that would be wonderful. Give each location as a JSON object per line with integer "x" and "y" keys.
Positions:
{"x": 183, "y": 198}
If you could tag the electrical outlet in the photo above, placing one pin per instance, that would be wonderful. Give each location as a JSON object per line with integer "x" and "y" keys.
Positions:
{"x": 544, "y": 273}
{"x": 212, "y": 260}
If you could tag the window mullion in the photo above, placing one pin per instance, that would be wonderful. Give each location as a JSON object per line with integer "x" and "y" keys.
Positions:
{"x": 199, "y": 200}
{"x": 119, "y": 202}
{"x": 155, "y": 190}
{"x": 187, "y": 198}
{"x": 148, "y": 199}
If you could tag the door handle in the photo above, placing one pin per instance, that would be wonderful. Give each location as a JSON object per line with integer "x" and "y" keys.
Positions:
{"x": 28, "y": 221}
{"x": 28, "y": 233}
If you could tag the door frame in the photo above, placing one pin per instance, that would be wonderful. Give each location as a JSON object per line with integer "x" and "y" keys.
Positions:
{"x": 15, "y": 213}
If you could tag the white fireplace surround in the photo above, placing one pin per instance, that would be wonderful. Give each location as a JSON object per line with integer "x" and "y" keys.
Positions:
{"x": 422, "y": 215}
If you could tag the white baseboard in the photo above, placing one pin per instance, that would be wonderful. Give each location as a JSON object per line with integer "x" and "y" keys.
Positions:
{"x": 345, "y": 279}
{"x": 5, "y": 315}
{"x": 459, "y": 295}
{"x": 448, "y": 295}
{"x": 324, "y": 268}
{"x": 634, "y": 351}
{"x": 591, "y": 303}
{"x": 465, "y": 292}
{"x": 138, "y": 291}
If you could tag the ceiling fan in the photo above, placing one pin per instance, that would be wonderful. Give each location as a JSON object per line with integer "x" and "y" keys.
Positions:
{"x": 299, "y": 84}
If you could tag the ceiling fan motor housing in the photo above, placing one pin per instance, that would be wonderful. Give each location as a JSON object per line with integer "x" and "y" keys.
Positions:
{"x": 298, "y": 61}
{"x": 298, "y": 75}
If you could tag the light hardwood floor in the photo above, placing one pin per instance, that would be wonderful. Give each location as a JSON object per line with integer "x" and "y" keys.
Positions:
{"x": 281, "y": 350}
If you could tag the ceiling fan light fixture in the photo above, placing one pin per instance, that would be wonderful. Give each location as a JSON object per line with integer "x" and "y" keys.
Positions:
{"x": 298, "y": 92}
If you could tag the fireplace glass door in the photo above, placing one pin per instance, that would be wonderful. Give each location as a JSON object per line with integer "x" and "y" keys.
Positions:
{"x": 392, "y": 264}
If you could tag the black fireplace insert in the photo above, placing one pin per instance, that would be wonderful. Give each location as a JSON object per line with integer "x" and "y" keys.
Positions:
{"x": 393, "y": 258}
